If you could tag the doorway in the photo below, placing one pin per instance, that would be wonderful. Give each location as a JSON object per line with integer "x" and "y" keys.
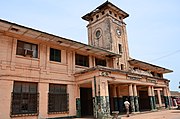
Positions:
{"x": 86, "y": 102}
{"x": 144, "y": 102}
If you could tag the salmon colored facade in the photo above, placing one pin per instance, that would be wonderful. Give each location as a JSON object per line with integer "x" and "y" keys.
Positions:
{"x": 47, "y": 76}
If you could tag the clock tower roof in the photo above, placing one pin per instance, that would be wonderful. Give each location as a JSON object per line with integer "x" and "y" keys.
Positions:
{"x": 106, "y": 5}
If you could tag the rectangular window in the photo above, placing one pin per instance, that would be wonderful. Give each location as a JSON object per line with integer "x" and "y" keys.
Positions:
{"x": 100, "y": 62}
{"x": 27, "y": 49}
{"x": 24, "y": 98}
{"x": 82, "y": 60}
{"x": 122, "y": 66}
{"x": 58, "y": 99}
{"x": 120, "y": 48}
{"x": 55, "y": 55}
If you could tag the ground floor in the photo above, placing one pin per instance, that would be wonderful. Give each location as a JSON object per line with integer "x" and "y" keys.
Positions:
{"x": 95, "y": 94}
{"x": 109, "y": 99}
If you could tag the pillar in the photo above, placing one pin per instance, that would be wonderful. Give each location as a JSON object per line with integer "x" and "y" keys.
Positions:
{"x": 153, "y": 97}
{"x": 169, "y": 97}
{"x": 166, "y": 100}
{"x": 120, "y": 100}
{"x": 43, "y": 99}
{"x": 78, "y": 102}
{"x": 102, "y": 98}
{"x": 136, "y": 103}
{"x": 115, "y": 100}
{"x": 131, "y": 97}
{"x": 159, "y": 98}
{"x": 6, "y": 87}
{"x": 150, "y": 97}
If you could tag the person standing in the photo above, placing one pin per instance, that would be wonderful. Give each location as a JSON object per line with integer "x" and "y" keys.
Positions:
{"x": 127, "y": 104}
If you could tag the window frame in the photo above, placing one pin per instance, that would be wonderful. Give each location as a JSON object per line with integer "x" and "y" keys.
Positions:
{"x": 122, "y": 66}
{"x": 24, "y": 100}
{"x": 101, "y": 62}
{"x": 120, "y": 48}
{"x": 22, "y": 50}
{"x": 53, "y": 58}
{"x": 81, "y": 60}
{"x": 58, "y": 99}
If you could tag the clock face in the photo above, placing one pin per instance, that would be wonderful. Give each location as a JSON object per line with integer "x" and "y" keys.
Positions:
{"x": 118, "y": 31}
{"x": 98, "y": 33}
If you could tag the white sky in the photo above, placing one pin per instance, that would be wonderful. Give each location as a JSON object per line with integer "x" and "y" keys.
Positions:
{"x": 153, "y": 26}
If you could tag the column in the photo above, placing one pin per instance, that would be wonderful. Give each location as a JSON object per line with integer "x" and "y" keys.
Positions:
{"x": 169, "y": 97}
{"x": 91, "y": 61}
{"x": 6, "y": 87}
{"x": 78, "y": 102}
{"x": 43, "y": 99}
{"x": 159, "y": 98}
{"x": 153, "y": 97}
{"x": 114, "y": 63}
{"x": 150, "y": 97}
{"x": 131, "y": 97}
{"x": 120, "y": 99}
{"x": 115, "y": 100}
{"x": 165, "y": 97}
{"x": 13, "y": 53}
{"x": 136, "y": 98}
{"x": 42, "y": 59}
{"x": 94, "y": 95}
{"x": 102, "y": 98}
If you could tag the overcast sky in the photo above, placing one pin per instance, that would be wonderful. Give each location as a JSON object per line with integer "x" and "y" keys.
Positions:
{"x": 153, "y": 26}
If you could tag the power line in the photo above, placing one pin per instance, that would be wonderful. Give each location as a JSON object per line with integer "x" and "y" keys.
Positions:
{"x": 175, "y": 52}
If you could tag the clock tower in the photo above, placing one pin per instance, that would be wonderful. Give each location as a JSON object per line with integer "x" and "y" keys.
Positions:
{"x": 107, "y": 30}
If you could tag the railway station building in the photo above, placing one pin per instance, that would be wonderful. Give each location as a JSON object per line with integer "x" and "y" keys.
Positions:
{"x": 47, "y": 76}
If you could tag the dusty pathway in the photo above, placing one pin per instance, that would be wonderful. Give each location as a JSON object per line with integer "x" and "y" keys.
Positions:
{"x": 165, "y": 114}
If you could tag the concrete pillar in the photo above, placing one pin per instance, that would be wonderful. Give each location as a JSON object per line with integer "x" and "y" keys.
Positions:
{"x": 114, "y": 63}
{"x": 78, "y": 102}
{"x": 91, "y": 61}
{"x": 136, "y": 98}
{"x": 120, "y": 99}
{"x": 69, "y": 63}
{"x": 166, "y": 100}
{"x": 153, "y": 97}
{"x": 102, "y": 98}
{"x": 131, "y": 97}
{"x": 13, "y": 53}
{"x": 6, "y": 87}
{"x": 169, "y": 97}
{"x": 150, "y": 97}
{"x": 159, "y": 98}
{"x": 115, "y": 100}
{"x": 43, "y": 99}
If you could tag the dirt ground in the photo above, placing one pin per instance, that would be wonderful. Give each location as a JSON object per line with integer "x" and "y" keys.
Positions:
{"x": 165, "y": 114}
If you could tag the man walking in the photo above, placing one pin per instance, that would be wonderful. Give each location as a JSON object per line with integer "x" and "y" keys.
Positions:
{"x": 127, "y": 104}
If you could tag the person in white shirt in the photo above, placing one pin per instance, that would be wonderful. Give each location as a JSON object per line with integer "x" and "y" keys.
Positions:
{"x": 127, "y": 104}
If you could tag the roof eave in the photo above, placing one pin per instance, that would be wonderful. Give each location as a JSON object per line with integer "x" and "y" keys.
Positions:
{"x": 165, "y": 70}
{"x": 107, "y": 3}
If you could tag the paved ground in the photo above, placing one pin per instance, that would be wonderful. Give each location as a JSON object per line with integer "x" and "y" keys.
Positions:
{"x": 165, "y": 114}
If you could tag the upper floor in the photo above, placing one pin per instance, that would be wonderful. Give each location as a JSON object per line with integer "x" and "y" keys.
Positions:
{"x": 26, "y": 48}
